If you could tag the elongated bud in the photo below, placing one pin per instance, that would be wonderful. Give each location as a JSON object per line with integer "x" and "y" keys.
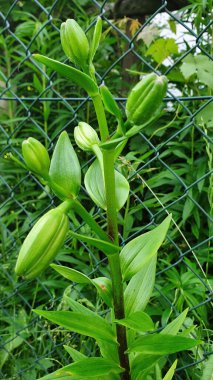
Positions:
{"x": 85, "y": 136}
{"x": 36, "y": 156}
{"x": 75, "y": 43}
{"x": 144, "y": 102}
{"x": 42, "y": 244}
{"x": 65, "y": 170}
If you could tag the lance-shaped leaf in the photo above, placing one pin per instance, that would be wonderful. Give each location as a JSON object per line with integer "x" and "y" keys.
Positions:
{"x": 162, "y": 344}
{"x": 102, "y": 284}
{"x": 144, "y": 361}
{"x": 109, "y": 102}
{"x": 112, "y": 144}
{"x": 75, "y": 355}
{"x": 104, "y": 246}
{"x": 89, "y": 325}
{"x": 138, "y": 321}
{"x": 173, "y": 327}
{"x": 71, "y": 274}
{"x": 170, "y": 373}
{"x": 140, "y": 287}
{"x": 141, "y": 249}
{"x": 96, "y": 38}
{"x": 89, "y": 368}
{"x": 76, "y": 76}
{"x": 94, "y": 183}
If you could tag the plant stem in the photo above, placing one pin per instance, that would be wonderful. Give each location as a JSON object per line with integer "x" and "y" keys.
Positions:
{"x": 112, "y": 230}
{"x": 114, "y": 260}
{"x": 101, "y": 118}
{"x": 89, "y": 219}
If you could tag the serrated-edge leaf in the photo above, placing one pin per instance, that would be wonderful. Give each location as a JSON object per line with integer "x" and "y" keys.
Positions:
{"x": 141, "y": 249}
{"x": 93, "y": 325}
{"x": 83, "y": 80}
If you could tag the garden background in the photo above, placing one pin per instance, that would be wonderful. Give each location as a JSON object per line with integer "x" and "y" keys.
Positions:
{"x": 168, "y": 165}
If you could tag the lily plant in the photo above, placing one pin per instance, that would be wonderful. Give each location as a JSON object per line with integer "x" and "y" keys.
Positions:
{"x": 130, "y": 347}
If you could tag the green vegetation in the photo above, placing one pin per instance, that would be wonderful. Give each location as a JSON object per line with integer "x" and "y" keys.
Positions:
{"x": 168, "y": 167}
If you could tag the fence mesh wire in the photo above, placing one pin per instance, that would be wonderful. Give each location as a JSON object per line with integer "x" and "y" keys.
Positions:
{"x": 41, "y": 104}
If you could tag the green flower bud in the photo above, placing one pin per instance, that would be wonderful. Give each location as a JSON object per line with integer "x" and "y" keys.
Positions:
{"x": 42, "y": 244}
{"x": 85, "y": 136}
{"x": 65, "y": 170}
{"x": 36, "y": 156}
{"x": 144, "y": 102}
{"x": 75, "y": 43}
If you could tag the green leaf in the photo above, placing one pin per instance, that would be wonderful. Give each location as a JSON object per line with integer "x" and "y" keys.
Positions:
{"x": 207, "y": 371}
{"x": 144, "y": 361}
{"x": 104, "y": 246}
{"x": 83, "y": 80}
{"x": 200, "y": 65}
{"x": 109, "y": 102}
{"x": 112, "y": 144}
{"x": 188, "y": 207}
{"x": 160, "y": 344}
{"x": 138, "y": 321}
{"x": 173, "y": 327}
{"x": 89, "y": 325}
{"x": 140, "y": 287}
{"x": 89, "y": 368}
{"x": 162, "y": 48}
{"x": 102, "y": 284}
{"x": 169, "y": 375}
{"x": 141, "y": 249}
{"x": 204, "y": 117}
{"x": 71, "y": 274}
{"x": 75, "y": 355}
{"x": 104, "y": 288}
{"x": 96, "y": 38}
{"x": 65, "y": 170}
{"x": 94, "y": 184}
{"x": 78, "y": 307}
{"x": 108, "y": 350}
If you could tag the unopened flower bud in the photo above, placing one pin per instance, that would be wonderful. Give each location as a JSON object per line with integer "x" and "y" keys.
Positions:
{"x": 65, "y": 170}
{"x": 36, "y": 156}
{"x": 75, "y": 42}
{"x": 42, "y": 244}
{"x": 144, "y": 102}
{"x": 85, "y": 136}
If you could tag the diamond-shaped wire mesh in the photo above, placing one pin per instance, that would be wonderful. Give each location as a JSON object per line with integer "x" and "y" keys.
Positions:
{"x": 41, "y": 104}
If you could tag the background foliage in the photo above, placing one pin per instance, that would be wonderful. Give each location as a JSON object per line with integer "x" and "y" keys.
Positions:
{"x": 169, "y": 167}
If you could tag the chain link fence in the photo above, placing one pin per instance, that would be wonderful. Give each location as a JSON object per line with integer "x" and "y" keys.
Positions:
{"x": 169, "y": 167}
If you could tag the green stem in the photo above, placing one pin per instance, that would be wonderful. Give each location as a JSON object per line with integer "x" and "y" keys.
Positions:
{"x": 114, "y": 260}
{"x": 101, "y": 118}
{"x": 89, "y": 219}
